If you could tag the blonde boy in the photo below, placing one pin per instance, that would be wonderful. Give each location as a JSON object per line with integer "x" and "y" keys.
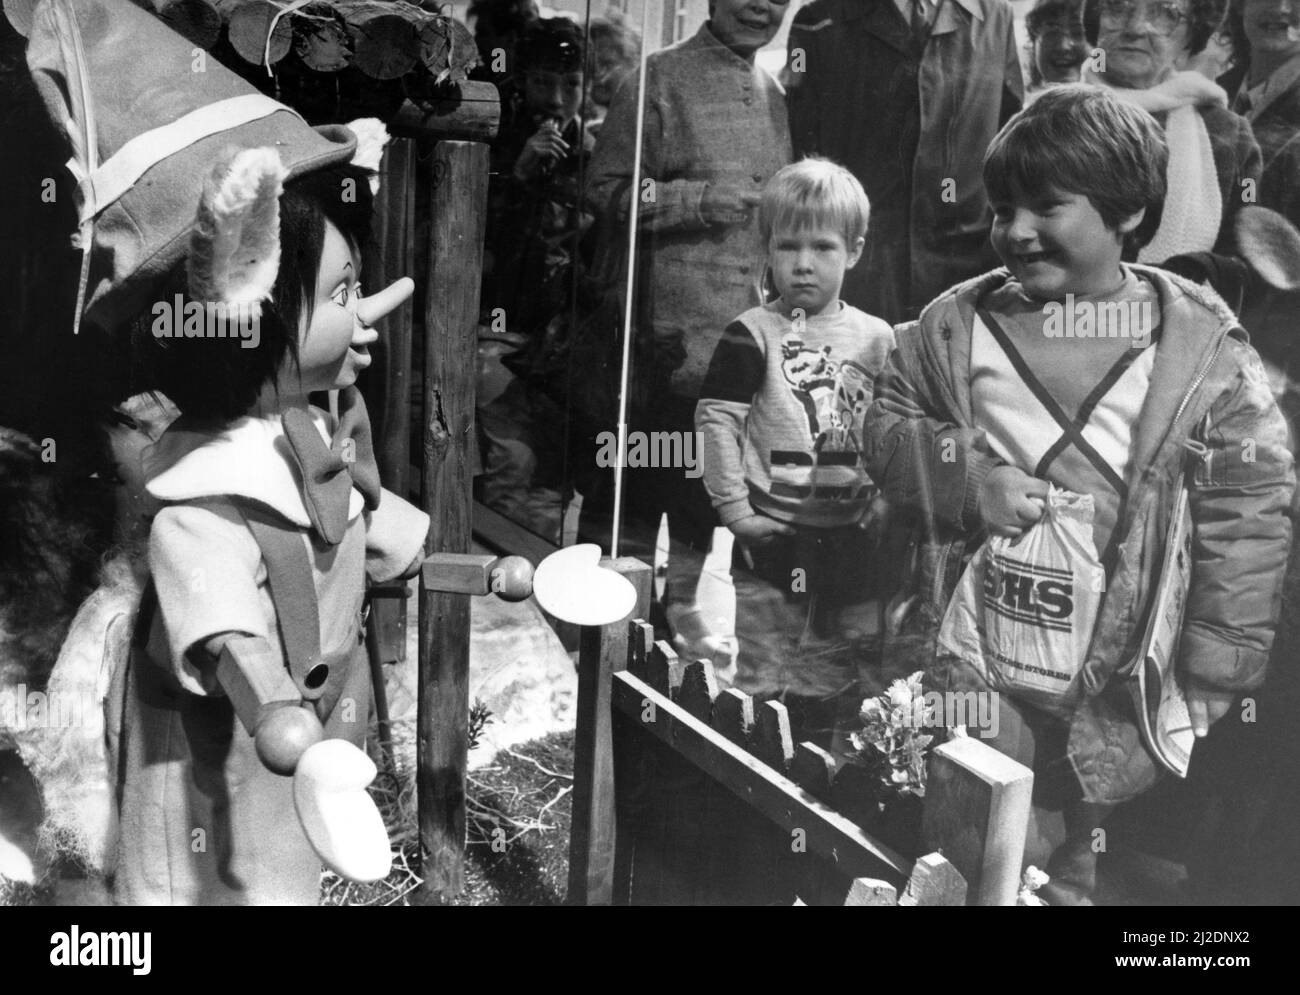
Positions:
{"x": 780, "y": 418}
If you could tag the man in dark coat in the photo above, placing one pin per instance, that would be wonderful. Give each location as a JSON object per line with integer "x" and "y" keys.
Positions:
{"x": 907, "y": 94}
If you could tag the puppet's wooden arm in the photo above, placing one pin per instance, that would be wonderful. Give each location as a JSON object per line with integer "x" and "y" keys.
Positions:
{"x": 266, "y": 700}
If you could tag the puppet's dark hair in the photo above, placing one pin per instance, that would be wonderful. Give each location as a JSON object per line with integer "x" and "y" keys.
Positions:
{"x": 218, "y": 378}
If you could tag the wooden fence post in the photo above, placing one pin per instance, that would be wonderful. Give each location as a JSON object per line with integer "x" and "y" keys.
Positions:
{"x": 602, "y": 651}
{"x": 977, "y": 812}
{"x": 458, "y": 177}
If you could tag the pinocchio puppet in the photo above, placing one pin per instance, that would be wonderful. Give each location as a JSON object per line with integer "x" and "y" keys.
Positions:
{"x": 227, "y": 232}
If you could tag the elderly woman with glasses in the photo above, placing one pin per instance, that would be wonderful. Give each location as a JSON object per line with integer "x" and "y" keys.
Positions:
{"x": 1214, "y": 161}
{"x": 1264, "y": 84}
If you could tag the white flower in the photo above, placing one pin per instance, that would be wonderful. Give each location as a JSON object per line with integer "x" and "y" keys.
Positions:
{"x": 1034, "y": 878}
{"x": 872, "y": 711}
{"x": 900, "y": 695}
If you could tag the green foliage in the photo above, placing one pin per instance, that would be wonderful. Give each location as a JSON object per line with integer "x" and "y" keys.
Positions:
{"x": 479, "y": 716}
{"x": 897, "y": 730}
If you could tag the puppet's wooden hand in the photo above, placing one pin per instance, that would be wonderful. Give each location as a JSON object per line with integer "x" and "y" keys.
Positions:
{"x": 337, "y": 815}
{"x": 267, "y": 701}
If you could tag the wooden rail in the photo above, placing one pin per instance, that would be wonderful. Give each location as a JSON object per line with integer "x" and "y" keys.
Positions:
{"x": 793, "y": 818}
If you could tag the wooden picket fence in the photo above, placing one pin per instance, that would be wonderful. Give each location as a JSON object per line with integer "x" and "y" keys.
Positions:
{"x": 687, "y": 795}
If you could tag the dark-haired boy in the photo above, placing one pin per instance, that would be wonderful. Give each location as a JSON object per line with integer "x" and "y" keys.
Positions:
{"x": 983, "y": 405}
{"x": 536, "y": 217}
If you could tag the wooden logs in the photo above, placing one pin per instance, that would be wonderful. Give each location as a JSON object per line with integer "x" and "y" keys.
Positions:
{"x": 447, "y": 49}
{"x": 247, "y": 24}
{"x": 197, "y": 20}
{"x": 387, "y": 41}
{"x": 470, "y": 111}
{"x": 320, "y": 38}
{"x": 385, "y": 44}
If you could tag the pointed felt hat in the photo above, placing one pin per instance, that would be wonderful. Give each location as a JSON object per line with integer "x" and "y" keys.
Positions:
{"x": 147, "y": 115}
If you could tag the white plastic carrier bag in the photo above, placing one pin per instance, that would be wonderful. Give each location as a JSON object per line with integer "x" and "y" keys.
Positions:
{"x": 1024, "y": 610}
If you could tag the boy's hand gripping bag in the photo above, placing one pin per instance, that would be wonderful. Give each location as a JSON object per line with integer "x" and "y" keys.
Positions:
{"x": 1024, "y": 610}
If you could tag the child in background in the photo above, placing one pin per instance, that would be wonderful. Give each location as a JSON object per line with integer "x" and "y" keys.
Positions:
{"x": 536, "y": 218}
{"x": 981, "y": 407}
{"x": 1057, "y": 46}
{"x": 780, "y": 418}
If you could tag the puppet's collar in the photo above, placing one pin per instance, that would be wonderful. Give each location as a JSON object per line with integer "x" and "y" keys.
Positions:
{"x": 248, "y": 458}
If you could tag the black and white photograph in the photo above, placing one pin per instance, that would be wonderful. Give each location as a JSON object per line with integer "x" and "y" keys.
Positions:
{"x": 650, "y": 453}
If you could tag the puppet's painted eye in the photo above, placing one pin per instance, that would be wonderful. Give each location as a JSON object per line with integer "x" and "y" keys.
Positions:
{"x": 346, "y": 296}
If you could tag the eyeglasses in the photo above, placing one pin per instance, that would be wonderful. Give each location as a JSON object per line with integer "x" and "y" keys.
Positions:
{"x": 1163, "y": 16}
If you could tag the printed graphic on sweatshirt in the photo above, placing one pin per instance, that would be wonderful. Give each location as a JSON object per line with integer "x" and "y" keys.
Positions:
{"x": 834, "y": 396}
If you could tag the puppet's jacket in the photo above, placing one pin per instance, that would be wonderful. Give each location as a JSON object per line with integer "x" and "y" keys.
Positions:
{"x": 206, "y": 564}
{"x": 202, "y": 821}
{"x": 924, "y": 450}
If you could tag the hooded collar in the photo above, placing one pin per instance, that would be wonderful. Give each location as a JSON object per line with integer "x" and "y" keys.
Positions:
{"x": 248, "y": 458}
{"x": 1194, "y": 323}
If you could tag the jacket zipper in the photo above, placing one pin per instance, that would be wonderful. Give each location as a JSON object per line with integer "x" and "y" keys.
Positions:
{"x": 1200, "y": 378}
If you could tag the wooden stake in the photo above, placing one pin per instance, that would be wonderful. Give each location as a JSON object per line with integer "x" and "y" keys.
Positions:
{"x": 603, "y": 651}
{"x": 977, "y": 810}
{"x": 458, "y": 176}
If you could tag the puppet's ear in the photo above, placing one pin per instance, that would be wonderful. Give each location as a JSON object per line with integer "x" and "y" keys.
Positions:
{"x": 372, "y": 136}
{"x": 1270, "y": 244}
{"x": 235, "y": 245}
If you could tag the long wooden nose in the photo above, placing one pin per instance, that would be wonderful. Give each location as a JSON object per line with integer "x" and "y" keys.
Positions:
{"x": 370, "y": 309}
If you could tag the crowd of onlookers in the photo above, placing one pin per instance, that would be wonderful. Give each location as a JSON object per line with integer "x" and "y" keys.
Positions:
{"x": 790, "y": 234}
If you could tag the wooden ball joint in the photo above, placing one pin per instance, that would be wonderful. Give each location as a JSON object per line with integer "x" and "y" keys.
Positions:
{"x": 509, "y": 577}
{"x": 284, "y": 735}
{"x": 512, "y": 578}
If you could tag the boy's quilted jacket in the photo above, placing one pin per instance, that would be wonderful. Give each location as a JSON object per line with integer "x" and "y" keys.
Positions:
{"x": 923, "y": 449}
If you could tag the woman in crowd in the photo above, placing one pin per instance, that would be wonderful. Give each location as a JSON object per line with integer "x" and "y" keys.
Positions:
{"x": 1264, "y": 83}
{"x": 715, "y": 131}
{"x": 613, "y": 49}
{"x": 1214, "y": 161}
{"x": 1256, "y": 848}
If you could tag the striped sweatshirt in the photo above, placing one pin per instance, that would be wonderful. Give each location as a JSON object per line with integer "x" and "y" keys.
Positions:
{"x": 780, "y": 415}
